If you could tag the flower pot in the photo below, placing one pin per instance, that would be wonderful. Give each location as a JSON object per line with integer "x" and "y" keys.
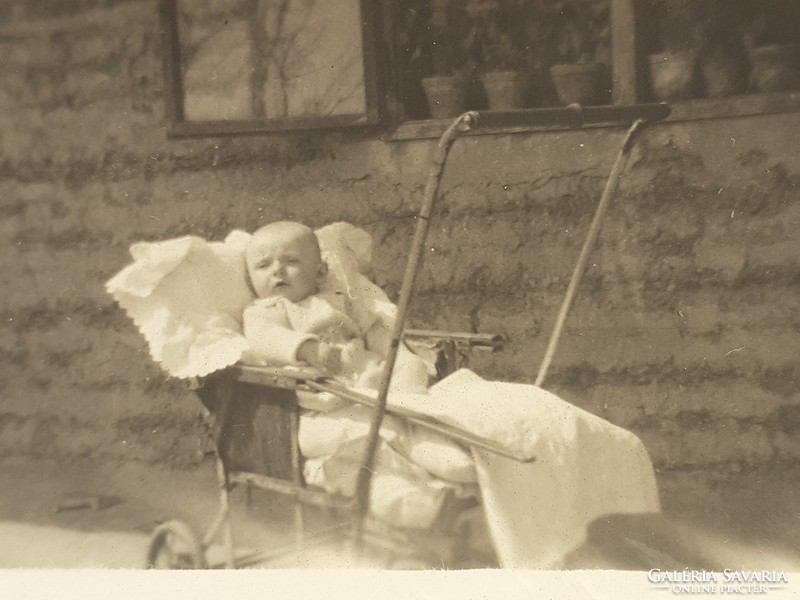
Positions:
{"x": 775, "y": 68}
{"x": 723, "y": 76}
{"x": 673, "y": 75}
{"x": 446, "y": 95}
{"x": 505, "y": 90}
{"x": 577, "y": 83}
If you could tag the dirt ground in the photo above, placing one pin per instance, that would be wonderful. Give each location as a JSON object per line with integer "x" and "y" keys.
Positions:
{"x": 95, "y": 514}
{"x": 89, "y": 514}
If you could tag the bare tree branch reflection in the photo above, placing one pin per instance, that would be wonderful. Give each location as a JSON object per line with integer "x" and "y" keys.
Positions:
{"x": 298, "y": 58}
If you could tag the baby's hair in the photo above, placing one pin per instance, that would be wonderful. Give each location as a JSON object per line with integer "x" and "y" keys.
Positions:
{"x": 301, "y": 229}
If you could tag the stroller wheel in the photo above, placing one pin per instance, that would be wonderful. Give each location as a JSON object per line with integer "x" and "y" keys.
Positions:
{"x": 174, "y": 545}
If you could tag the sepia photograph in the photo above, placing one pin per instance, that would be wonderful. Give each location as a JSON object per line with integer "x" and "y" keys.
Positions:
{"x": 407, "y": 298}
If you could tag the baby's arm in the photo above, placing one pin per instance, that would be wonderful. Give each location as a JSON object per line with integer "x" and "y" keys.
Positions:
{"x": 268, "y": 331}
{"x": 325, "y": 357}
{"x": 270, "y": 335}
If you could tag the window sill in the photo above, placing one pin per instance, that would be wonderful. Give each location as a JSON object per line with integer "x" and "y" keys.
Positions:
{"x": 561, "y": 119}
{"x": 735, "y": 106}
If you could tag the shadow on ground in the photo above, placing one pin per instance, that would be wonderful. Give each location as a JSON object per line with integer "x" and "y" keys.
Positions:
{"x": 89, "y": 513}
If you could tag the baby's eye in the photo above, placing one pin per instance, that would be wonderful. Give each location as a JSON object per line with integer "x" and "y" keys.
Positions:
{"x": 264, "y": 264}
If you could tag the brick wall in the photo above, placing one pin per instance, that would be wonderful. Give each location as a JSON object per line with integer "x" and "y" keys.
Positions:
{"x": 685, "y": 329}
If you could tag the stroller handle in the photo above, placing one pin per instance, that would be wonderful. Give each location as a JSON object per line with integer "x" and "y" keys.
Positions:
{"x": 461, "y": 124}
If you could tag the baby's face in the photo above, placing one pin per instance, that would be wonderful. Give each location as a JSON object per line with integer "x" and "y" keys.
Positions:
{"x": 284, "y": 264}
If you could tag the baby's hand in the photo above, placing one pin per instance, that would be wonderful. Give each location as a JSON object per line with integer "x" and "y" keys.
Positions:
{"x": 321, "y": 355}
{"x": 329, "y": 358}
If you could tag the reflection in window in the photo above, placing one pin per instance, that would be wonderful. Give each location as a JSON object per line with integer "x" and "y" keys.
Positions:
{"x": 271, "y": 59}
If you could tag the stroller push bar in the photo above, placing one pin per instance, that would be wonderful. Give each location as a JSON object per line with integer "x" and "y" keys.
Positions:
{"x": 594, "y": 230}
{"x": 461, "y": 125}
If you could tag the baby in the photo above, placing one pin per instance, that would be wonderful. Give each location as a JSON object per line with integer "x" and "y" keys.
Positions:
{"x": 293, "y": 322}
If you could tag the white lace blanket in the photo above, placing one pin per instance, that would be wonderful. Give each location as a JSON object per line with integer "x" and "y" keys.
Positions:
{"x": 584, "y": 466}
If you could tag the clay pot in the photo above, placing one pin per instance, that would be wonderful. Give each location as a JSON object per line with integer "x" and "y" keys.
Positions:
{"x": 775, "y": 68}
{"x": 578, "y": 83}
{"x": 505, "y": 90}
{"x": 446, "y": 95}
{"x": 723, "y": 75}
{"x": 672, "y": 75}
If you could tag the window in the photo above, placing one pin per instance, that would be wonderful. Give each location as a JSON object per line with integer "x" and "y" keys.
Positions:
{"x": 502, "y": 54}
{"x": 591, "y": 51}
{"x": 717, "y": 49}
{"x": 260, "y": 65}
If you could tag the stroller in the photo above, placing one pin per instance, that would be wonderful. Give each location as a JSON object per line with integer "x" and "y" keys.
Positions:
{"x": 255, "y": 417}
